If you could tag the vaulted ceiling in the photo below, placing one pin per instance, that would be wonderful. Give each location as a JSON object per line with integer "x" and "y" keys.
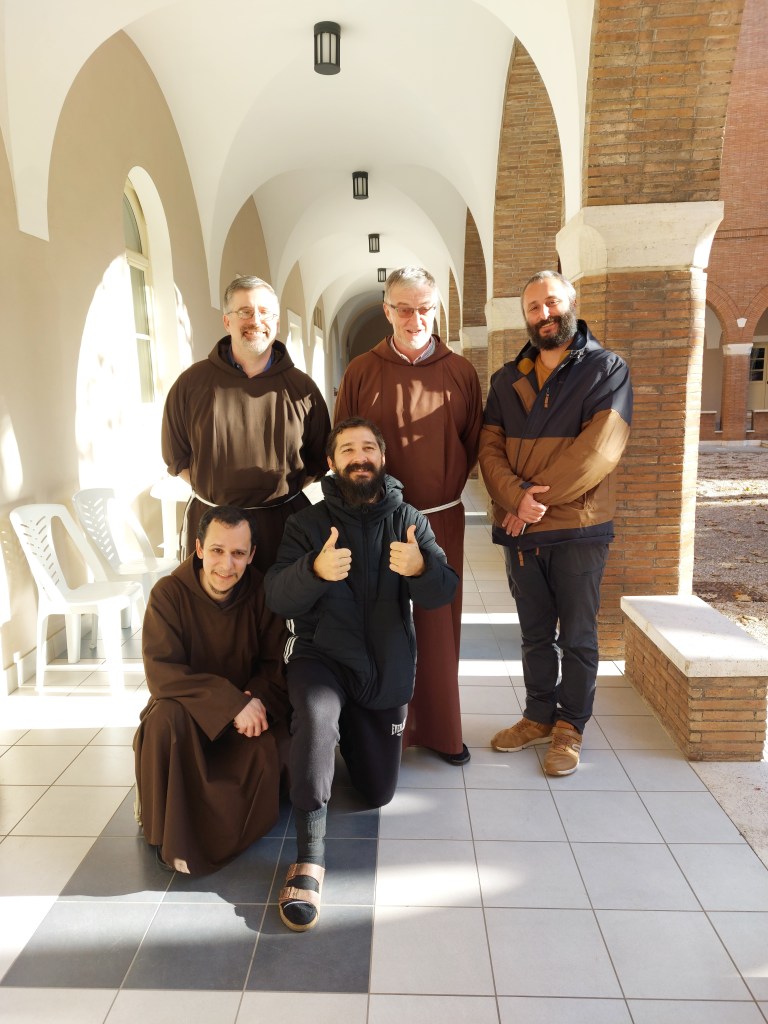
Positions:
{"x": 417, "y": 104}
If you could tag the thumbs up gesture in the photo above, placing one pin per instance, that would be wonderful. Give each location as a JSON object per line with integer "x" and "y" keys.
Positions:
{"x": 406, "y": 559}
{"x": 333, "y": 563}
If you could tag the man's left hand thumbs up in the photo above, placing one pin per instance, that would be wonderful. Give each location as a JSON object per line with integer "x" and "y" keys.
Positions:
{"x": 406, "y": 558}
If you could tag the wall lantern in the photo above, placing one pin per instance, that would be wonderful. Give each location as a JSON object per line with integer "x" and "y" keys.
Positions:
{"x": 382, "y": 274}
{"x": 359, "y": 184}
{"x": 373, "y": 243}
{"x": 327, "y": 48}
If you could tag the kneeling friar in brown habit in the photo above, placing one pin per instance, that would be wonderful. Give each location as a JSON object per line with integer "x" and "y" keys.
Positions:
{"x": 213, "y": 736}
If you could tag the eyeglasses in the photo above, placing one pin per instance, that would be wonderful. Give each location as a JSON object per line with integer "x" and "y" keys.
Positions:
{"x": 251, "y": 314}
{"x": 406, "y": 312}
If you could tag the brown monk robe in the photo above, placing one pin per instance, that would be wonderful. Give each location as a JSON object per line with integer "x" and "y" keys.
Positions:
{"x": 206, "y": 792}
{"x": 430, "y": 414}
{"x": 253, "y": 442}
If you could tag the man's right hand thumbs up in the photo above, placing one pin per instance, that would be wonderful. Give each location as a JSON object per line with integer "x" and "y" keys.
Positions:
{"x": 333, "y": 563}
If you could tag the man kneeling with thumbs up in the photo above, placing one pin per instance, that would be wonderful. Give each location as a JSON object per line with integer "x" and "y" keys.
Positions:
{"x": 346, "y": 572}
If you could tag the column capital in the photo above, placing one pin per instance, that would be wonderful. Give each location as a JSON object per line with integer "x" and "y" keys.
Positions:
{"x": 640, "y": 236}
{"x": 504, "y": 314}
{"x": 737, "y": 349}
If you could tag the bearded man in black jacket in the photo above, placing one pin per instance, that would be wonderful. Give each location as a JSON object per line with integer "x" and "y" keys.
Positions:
{"x": 346, "y": 572}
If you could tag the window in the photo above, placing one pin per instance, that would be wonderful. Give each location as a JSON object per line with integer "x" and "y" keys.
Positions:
{"x": 136, "y": 254}
{"x": 757, "y": 364}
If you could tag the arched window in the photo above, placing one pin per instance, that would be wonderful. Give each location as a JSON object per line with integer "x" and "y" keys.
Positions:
{"x": 137, "y": 257}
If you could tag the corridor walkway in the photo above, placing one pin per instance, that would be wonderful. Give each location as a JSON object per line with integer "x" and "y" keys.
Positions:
{"x": 486, "y": 895}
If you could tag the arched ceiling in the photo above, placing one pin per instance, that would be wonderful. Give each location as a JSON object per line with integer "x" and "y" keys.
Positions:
{"x": 417, "y": 104}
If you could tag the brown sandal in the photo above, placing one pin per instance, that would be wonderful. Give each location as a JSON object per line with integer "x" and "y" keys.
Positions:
{"x": 299, "y": 899}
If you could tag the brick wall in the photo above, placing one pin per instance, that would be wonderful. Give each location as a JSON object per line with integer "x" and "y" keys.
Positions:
{"x": 454, "y": 310}
{"x": 529, "y": 182}
{"x": 657, "y": 97}
{"x": 711, "y": 719}
{"x": 655, "y": 321}
{"x": 739, "y": 259}
{"x": 475, "y": 289}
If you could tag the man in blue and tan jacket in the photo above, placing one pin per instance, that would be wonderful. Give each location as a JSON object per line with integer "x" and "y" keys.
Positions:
{"x": 556, "y": 423}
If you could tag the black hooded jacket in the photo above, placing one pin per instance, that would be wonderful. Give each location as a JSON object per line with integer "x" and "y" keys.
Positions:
{"x": 362, "y": 626}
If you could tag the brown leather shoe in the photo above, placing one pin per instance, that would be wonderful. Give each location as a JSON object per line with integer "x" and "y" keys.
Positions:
{"x": 562, "y": 758}
{"x": 524, "y": 733}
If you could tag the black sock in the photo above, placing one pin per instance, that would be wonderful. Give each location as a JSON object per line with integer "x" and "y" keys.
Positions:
{"x": 310, "y": 836}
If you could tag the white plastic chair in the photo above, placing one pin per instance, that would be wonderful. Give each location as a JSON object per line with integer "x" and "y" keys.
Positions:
{"x": 105, "y": 600}
{"x": 101, "y": 515}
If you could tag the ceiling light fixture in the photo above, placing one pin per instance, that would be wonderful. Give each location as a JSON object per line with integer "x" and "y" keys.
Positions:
{"x": 327, "y": 48}
{"x": 359, "y": 184}
{"x": 382, "y": 274}
{"x": 373, "y": 243}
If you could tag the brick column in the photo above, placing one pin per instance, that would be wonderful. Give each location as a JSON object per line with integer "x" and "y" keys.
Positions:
{"x": 639, "y": 271}
{"x": 733, "y": 417}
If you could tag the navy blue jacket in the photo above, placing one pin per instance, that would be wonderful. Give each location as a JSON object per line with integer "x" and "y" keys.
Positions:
{"x": 362, "y": 626}
{"x": 569, "y": 435}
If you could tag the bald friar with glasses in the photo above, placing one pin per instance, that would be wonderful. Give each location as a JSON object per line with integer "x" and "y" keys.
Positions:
{"x": 426, "y": 401}
{"x": 245, "y": 427}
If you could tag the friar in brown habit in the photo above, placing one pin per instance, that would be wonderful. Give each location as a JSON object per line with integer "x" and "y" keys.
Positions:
{"x": 213, "y": 736}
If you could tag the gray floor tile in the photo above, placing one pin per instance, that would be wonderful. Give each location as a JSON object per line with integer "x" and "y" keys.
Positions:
{"x": 422, "y": 769}
{"x": 114, "y": 736}
{"x": 529, "y": 875}
{"x": 249, "y": 878}
{"x": 35, "y": 766}
{"x": 57, "y": 737}
{"x": 660, "y": 770}
{"x": 659, "y": 1011}
{"x": 668, "y": 955}
{"x": 426, "y": 873}
{"x": 15, "y": 801}
{"x": 605, "y": 818}
{"x": 478, "y": 729}
{"x": 123, "y": 821}
{"x": 54, "y": 1006}
{"x": 196, "y": 946}
{"x": 635, "y": 732}
{"x": 491, "y": 769}
{"x": 549, "y": 953}
{"x": 82, "y": 945}
{"x": 118, "y": 870}
{"x": 426, "y": 814}
{"x": 724, "y": 877}
{"x": 489, "y": 700}
{"x": 157, "y": 1007}
{"x": 335, "y": 956}
{"x": 418, "y": 952}
{"x": 293, "y": 1007}
{"x": 620, "y": 876}
{"x": 618, "y": 700}
{"x": 348, "y": 817}
{"x": 537, "y": 1010}
{"x": 745, "y": 936}
{"x": 100, "y": 766}
{"x": 20, "y": 917}
{"x": 691, "y": 818}
{"x": 39, "y": 865}
{"x": 71, "y": 811}
{"x": 414, "y": 1009}
{"x": 598, "y": 770}
{"x": 514, "y": 815}
{"x": 11, "y": 736}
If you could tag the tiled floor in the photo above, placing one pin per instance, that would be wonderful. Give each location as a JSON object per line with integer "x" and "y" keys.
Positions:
{"x": 620, "y": 894}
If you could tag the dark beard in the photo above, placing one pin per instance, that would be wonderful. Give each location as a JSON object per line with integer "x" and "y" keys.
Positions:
{"x": 566, "y": 328}
{"x": 359, "y": 492}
